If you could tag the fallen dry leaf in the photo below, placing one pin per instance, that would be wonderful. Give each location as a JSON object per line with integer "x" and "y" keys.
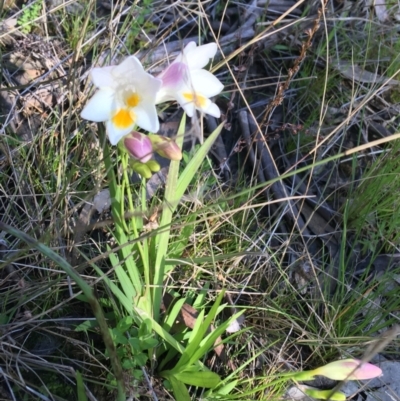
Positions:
{"x": 188, "y": 316}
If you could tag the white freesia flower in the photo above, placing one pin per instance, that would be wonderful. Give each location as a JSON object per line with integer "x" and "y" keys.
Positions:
{"x": 186, "y": 82}
{"x": 126, "y": 97}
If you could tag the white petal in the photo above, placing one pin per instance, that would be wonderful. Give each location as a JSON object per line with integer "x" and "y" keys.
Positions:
{"x": 102, "y": 77}
{"x": 130, "y": 67}
{"x": 146, "y": 117}
{"x": 115, "y": 134}
{"x": 99, "y": 106}
{"x": 163, "y": 96}
{"x": 147, "y": 87}
{"x": 206, "y": 106}
{"x": 189, "y": 107}
{"x": 189, "y": 47}
{"x": 213, "y": 110}
{"x": 198, "y": 57}
{"x": 205, "y": 83}
{"x": 182, "y": 55}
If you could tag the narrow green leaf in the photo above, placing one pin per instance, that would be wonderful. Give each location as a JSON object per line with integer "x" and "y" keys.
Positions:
{"x": 125, "y": 301}
{"x": 201, "y": 296}
{"x": 180, "y": 391}
{"x": 87, "y": 325}
{"x": 173, "y": 314}
{"x": 180, "y": 243}
{"x": 203, "y": 378}
{"x": 209, "y": 341}
{"x": 80, "y": 387}
{"x": 165, "y": 336}
{"x": 199, "y": 334}
{"x": 122, "y": 276}
{"x": 225, "y": 390}
{"x": 192, "y": 167}
{"x": 162, "y": 239}
{"x": 117, "y": 200}
{"x": 195, "y": 337}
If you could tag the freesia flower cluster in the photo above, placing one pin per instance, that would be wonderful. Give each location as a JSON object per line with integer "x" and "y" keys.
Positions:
{"x": 127, "y": 97}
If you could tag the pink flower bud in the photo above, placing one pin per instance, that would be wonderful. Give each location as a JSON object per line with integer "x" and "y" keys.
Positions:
{"x": 139, "y": 146}
{"x": 165, "y": 147}
{"x": 348, "y": 369}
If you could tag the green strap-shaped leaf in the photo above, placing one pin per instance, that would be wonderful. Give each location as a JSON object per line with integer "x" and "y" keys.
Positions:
{"x": 180, "y": 391}
{"x": 203, "y": 378}
{"x": 80, "y": 387}
{"x": 192, "y": 168}
{"x": 174, "y": 190}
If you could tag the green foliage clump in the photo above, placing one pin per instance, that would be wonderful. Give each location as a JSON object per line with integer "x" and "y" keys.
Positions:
{"x": 29, "y": 14}
{"x": 131, "y": 344}
{"x": 140, "y": 24}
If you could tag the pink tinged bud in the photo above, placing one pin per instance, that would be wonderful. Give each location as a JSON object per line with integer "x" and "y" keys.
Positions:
{"x": 348, "y": 369}
{"x": 174, "y": 75}
{"x": 139, "y": 146}
{"x": 165, "y": 147}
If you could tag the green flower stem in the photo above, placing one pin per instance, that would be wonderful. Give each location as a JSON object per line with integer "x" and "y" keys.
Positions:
{"x": 127, "y": 190}
{"x": 301, "y": 376}
{"x": 146, "y": 249}
{"x": 161, "y": 241}
{"x": 134, "y": 225}
{"x": 117, "y": 199}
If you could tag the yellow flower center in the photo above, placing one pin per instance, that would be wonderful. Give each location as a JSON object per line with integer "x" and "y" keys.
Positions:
{"x": 132, "y": 100}
{"x": 198, "y": 100}
{"x": 123, "y": 118}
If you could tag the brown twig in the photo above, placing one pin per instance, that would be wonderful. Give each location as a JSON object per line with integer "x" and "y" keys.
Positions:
{"x": 305, "y": 46}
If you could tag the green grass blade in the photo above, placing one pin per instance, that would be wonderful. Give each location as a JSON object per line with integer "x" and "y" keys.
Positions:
{"x": 80, "y": 387}
{"x": 191, "y": 169}
{"x": 121, "y": 296}
{"x": 165, "y": 336}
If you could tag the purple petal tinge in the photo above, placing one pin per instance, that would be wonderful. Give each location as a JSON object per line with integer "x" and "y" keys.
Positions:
{"x": 139, "y": 146}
